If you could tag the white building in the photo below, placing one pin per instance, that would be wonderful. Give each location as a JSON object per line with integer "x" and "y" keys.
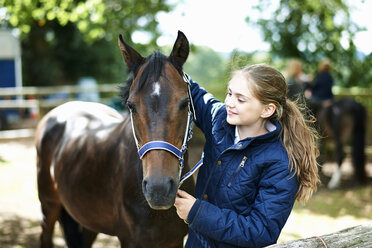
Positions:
{"x": 10, "y": 60}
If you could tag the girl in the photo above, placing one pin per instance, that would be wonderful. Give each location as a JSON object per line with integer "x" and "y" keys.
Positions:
{"x": 259, "y": 156}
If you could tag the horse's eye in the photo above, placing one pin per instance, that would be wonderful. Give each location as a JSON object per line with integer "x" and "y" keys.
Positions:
{"x": 184, "y": 103}
{"x": 131, "y": 106}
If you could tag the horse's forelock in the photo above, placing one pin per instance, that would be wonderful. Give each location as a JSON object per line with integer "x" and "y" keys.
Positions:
{"x": 153, "y": 70}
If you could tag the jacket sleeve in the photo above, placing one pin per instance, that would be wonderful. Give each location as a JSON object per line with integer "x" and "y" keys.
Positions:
{"x": 206, "y": 107}
{"x": 263, "y": 224}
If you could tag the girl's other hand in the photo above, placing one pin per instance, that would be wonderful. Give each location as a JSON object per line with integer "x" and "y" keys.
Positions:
{"x": 184, "y": 203}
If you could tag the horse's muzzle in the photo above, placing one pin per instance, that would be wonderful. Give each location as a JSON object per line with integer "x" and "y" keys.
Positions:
{"x": 160, "y": 193}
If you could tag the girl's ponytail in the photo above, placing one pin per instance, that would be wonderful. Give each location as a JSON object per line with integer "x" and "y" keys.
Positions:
{"x": 301, "y": 142}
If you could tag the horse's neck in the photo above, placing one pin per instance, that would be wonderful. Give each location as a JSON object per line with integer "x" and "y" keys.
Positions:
{"x": 118, "y": 150}
{"x": 121, "y": 137}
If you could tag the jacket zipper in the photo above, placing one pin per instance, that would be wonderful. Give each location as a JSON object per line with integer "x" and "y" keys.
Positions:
{"x": 241, "y": 165}
{"x": 243, "y": 162}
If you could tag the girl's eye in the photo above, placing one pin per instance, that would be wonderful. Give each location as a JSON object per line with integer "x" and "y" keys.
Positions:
{"x": 240, "y": 100}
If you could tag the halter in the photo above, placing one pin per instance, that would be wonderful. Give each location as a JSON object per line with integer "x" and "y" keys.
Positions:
{"x": 163, "y": 145}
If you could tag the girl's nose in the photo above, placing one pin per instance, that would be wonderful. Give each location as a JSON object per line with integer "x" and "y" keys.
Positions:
{"x": 229, "y": 102}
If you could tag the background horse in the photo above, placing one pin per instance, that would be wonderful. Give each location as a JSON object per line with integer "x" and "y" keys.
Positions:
{"x": 344, "y": 121}
{"x": 88, "y": 169}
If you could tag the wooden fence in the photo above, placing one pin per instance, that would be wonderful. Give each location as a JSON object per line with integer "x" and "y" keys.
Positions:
{"x": 42, "y": 98}
{"x": 354, "y": 237}
{"x": 39, "y": 100}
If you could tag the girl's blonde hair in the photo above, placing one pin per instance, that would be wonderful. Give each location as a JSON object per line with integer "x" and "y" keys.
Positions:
{"x": 300, "y": 138}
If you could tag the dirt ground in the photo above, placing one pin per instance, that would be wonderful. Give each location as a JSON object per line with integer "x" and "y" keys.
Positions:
{"x": 20, "y": 209}
{"x": 20, "y": 212}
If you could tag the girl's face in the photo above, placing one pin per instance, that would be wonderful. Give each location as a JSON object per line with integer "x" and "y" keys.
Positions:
{"x": 243, "y": 109}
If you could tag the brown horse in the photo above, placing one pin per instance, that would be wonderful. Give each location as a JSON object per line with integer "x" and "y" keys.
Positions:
{"x": 89, "y": 174}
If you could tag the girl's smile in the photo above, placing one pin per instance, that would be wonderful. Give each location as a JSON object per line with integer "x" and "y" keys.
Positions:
{"x": 230, "y": 112}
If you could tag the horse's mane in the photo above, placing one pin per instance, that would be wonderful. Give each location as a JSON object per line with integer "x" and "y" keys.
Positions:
{"x": 154, "y": 65}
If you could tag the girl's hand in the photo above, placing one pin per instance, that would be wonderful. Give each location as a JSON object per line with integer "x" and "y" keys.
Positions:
{"x": 183, "y": 204}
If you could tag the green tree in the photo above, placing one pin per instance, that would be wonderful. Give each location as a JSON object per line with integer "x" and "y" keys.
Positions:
{"x": 63, "y": 40}
{"x": 95, "y": 19}
{"x": 205, "y": 65}
{"x": 314, "y": 29}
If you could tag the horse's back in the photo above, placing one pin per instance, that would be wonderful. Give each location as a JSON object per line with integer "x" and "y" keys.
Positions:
{"x": 74, "y": 119}
{"x": 76, "y": 111}
{"x": 346, "y": 106}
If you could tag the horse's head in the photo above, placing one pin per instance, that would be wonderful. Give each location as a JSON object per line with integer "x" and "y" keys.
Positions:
{"x": 157, "y": 97}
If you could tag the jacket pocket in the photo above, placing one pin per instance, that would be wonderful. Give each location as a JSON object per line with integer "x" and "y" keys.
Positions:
{"x": 236, "y": 172}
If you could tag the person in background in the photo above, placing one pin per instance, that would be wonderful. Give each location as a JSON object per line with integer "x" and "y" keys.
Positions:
{"x": 259, "y": 157}
{"x": 323, "y": 83}
{"x": 297, "y": 81}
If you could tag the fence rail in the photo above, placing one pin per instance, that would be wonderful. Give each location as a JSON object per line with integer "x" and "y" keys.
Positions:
{"x": 18, "y": 103}
{"x": 44, "y": 98}
{"x": 50, "y": 90}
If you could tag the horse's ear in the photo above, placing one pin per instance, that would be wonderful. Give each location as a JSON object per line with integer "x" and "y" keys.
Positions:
{"x": 180, "y": 50}
{"x": 131, "y": 57}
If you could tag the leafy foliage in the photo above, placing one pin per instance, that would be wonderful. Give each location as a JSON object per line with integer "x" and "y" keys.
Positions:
{"x": 94, "y": 18}
{"x": 205, "y": 65}
{"x": 314, "y": 29}
{"x": 63, "y": 40}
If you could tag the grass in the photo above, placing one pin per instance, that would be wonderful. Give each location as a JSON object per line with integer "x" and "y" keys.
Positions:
{"x": 356, "y": 202}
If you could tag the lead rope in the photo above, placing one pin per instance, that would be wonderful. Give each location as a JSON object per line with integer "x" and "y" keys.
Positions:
{"x": 191, "y": 172}
{"x": 324, "y": 243}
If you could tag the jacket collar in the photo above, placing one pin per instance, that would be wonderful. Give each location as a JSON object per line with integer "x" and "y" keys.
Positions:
{"x": 268, "y": 125}
{"x": 271, "y": 135}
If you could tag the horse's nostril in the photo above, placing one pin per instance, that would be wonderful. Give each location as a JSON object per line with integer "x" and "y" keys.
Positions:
{"x": 171, "y": 184}
{"x": 144, "y": 185}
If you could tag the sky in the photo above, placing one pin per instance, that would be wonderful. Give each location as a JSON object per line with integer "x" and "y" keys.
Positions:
{"x": 221, "y": 24}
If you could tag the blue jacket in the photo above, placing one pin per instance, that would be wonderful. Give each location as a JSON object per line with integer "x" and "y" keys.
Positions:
{"x": 244, "y": 191}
